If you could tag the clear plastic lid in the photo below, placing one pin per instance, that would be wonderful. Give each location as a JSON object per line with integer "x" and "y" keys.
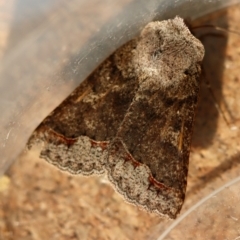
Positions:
{"x": 216, "y": 216}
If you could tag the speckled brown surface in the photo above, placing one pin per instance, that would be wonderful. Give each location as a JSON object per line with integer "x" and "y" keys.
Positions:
{"x": 37, "y": 201}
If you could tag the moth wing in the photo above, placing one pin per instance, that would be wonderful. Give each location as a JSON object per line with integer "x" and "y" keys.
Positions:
{"x": 77, "y": 133}
{"x": 148, "y": 159}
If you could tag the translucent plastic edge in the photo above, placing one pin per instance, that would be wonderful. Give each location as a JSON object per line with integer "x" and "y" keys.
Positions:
{"x": 194, "y": 207}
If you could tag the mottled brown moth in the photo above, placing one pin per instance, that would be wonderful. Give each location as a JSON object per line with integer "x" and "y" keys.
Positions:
{"x": 132, "y": 118}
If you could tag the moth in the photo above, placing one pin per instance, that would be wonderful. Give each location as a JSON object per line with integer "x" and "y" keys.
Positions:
{"x": 132, "y": 118}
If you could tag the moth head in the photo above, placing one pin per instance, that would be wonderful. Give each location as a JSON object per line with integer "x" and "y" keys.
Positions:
{"x": 167, "y": 47}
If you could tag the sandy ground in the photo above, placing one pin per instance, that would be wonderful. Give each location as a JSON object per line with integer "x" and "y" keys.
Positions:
{"x": 38, "y": 201}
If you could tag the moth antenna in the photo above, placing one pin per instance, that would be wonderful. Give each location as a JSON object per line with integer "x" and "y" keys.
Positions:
{"x": 217, "y": 106}
{"x": 216, "y": 28}
{"x": 219, "y": 33}
{"x": 211, "y": 26}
